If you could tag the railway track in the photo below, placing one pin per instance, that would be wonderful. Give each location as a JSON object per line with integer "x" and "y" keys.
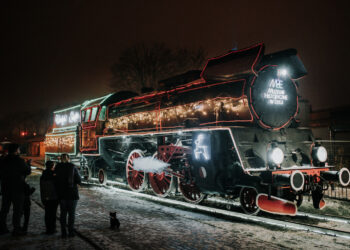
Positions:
{"x": 282, "y": 223}
{"x": 299, "y": 214}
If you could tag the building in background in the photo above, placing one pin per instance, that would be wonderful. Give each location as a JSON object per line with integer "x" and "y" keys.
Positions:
{"x": 35, "y": 146}
{"x": 331, "y": 124}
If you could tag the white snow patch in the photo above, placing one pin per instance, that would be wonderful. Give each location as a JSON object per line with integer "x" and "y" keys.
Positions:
{"x": 150, "y": 165}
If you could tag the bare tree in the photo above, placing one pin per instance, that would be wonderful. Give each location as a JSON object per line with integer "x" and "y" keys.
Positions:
{"x": 143, "y": 66}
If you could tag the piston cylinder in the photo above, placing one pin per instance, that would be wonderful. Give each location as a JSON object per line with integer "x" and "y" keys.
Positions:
{"x": 296, "y": 180}
{"x": 342, "y": 176}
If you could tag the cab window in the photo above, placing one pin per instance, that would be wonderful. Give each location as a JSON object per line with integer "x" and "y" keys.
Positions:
{"x": 102, "y": 116}
{"x": 93, "y": 114}
{"x": 83, "y": 115}
{"x": 87, "y": 115}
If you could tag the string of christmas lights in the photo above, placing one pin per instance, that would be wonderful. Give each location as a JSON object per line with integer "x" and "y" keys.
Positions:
{"x": 211, "y": 110}
{"x": 60, "y": 143}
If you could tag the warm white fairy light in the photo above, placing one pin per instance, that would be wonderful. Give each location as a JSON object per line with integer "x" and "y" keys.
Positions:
{"x": 60, "y": 143}
{"x": 202, "y": 110}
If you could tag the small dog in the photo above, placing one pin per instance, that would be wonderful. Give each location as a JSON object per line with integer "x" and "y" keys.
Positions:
{"x": 114, "y": 220}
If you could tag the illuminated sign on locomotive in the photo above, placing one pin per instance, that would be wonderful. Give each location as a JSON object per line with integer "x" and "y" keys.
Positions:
{"x": 202, "y": 147}
{"x": 71, "y": 118}
{"x": 276, "y": 94}
{"x": 67, "y": 117}
{"x": 273, "y": 97}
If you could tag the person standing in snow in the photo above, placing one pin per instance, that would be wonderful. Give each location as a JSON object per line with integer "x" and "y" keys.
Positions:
{"x": 27, "y": 203}
{"x": 49, "y": 196}
{"x": 13, "y": 172}
{"x": 67, "y": 179}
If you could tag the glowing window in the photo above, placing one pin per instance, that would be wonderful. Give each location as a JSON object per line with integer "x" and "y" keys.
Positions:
{"x": 87, "y": 115}
{"x": 93, "y": 114}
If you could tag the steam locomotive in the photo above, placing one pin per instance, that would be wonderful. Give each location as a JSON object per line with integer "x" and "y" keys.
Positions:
{"x": 229, "y": 130}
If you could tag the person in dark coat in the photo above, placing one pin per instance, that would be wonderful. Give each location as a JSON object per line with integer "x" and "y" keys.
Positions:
{"x": 26, "y": 206}
{"x": 3, "y": 153}
{"x": 49, "y": 196}
{"x": 67, "y": 178}
{"x": 13, "y": 172}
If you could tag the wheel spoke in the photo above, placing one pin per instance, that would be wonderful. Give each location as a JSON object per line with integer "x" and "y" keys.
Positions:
{"x": 248, "y": 203}
{"x": 161, "y": 183}
{"x": 191, "y": 192}
{"x": 135, "y": 179}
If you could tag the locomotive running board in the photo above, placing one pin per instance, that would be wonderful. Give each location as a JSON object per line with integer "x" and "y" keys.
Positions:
{"x": 276, "y": 205}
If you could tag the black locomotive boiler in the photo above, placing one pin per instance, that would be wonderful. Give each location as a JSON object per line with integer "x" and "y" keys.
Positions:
{"x": 229, "y": 130}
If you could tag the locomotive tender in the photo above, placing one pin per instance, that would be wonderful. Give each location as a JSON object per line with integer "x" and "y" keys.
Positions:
{"x": 229, "y": 130}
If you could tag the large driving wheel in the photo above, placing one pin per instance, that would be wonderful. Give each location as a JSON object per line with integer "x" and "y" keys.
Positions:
{"x": 161, "y": 183}
{"x": 248, "y": 200}
{"x": 137, "y": 180}
{"x": 191, "y": 192}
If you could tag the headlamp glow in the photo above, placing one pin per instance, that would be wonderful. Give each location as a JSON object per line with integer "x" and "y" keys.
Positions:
{"x": 321, "y": 154}
{"x": 282, "y": 72}
{"x": 276, "y": 156}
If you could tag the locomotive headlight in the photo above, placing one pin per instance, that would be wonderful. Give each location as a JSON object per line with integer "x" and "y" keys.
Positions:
{"x": 283, "y": 72}
{"x": 319, "y": 153}
{"x": 276, "y": 156}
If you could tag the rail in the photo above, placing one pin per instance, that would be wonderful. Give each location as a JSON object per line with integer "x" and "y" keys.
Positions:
{"x": 285, "y": 224}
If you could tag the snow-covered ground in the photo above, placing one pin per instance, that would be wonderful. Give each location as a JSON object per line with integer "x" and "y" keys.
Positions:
{"x": 149, "y": 225}
{"x": 35, "y": 239}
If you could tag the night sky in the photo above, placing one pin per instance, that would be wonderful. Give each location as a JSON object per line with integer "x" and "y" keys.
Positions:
{"x": 55, "y": 53}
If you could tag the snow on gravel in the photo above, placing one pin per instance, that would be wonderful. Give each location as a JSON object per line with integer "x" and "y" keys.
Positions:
{"x": 149, "y": 225}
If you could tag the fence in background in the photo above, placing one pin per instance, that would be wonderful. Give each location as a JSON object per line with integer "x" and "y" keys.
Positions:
{"x": 338, "y": 156}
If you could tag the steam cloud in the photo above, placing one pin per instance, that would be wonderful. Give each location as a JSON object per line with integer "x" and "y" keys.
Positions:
{"x": 150, "y": 165}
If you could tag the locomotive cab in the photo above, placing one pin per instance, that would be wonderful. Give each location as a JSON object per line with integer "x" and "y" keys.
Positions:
{"x": 93, "y": 118}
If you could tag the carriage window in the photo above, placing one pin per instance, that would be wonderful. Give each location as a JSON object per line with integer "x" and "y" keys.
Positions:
{"x": 93, "y": 114}
{"x": 87, "y": 115}
{"x": 102, "y": 116}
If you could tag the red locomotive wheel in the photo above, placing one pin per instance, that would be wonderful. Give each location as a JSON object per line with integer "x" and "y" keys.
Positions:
{"x": 191, "y": 192}
{"x": 248, "y": 200}
{"x": 162, "y": 183}
{"x": 102, "y": 177}
{"x": 137, "y": 180}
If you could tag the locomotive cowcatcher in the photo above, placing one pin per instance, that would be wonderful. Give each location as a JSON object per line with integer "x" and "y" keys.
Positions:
{"x": 229, "y": 130}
